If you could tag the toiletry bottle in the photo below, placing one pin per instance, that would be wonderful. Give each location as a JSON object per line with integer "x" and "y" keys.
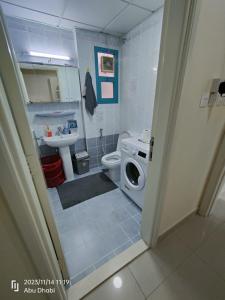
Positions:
{"x": 48, "y": 132}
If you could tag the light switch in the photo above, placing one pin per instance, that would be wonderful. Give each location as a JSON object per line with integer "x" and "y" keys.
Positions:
{"x": 204, "y": 102}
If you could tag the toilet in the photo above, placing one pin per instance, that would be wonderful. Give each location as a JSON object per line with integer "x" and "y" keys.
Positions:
{"x": 112, "y": 160}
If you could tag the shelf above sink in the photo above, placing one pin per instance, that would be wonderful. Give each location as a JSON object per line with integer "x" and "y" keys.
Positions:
{"x": 56, "y": 114}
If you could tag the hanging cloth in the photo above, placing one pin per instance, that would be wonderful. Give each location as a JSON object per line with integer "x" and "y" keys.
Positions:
{"x": 89, "y": 94}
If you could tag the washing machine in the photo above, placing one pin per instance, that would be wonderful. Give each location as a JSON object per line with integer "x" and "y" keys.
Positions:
{"x": 134, "y": 168}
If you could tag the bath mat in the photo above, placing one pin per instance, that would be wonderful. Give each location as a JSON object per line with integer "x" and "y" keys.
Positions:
{"x": 79, "y": 190}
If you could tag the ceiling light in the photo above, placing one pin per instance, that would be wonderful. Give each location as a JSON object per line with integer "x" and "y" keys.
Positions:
{"x": 40, "y": 54}
{"x": 117, "y": 282}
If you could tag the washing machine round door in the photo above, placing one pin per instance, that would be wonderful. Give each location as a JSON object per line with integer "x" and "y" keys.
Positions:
{"x": 133, "y": 173}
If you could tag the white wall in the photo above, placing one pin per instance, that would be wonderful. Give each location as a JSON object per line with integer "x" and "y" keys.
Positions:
{"x": 15, "y": 259}
{"x": 140, "y": 54}
{"x": 106, "y": 116}
{"x": 197, "y": 129}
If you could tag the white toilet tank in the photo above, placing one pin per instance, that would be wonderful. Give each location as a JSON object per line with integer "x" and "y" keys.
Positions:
{"x": 124, "y": 135}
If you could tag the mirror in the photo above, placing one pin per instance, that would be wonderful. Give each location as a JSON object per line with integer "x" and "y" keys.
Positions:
{"x": 50, "y": 83}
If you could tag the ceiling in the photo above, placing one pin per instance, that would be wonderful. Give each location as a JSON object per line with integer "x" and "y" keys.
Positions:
{"x": 116, "y": 17}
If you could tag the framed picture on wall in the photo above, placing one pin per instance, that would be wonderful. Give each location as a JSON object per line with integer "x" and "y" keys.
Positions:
{"x": 107, "y": 75}
{"x": 107, "y": 64}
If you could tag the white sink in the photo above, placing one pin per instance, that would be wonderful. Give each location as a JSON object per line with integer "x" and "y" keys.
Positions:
{"x": 63, "y": 142}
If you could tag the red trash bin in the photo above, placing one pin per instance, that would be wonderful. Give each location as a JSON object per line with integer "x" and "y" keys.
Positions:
{"x": 53, "y": 170}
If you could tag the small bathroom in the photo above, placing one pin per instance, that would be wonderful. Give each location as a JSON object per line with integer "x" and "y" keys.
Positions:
{"x": 89, "y": 77}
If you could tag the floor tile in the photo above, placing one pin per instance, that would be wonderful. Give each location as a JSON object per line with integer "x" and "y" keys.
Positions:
{"x": 213, "y": 250}
{"x": 132, "y": 208}
{"x": 115, "y": 238}
{"x": 136, "y": 238}
{"x": 78, "y": 260}
{"x": 104, "y": 260}
{"x": 121, "y": 286}
{"x": 138, "y": 218}
{"x": 81, "y": 275}
{"x": 218, "y": 211}
{"x": 123, "y": 247}
{"x": 148, "y": 272}
{"x": 196, "y": 230}
{"x": 151, "y": 268}
{"x": 192, "y": 281}
{"x": 131, "y": 228}
{"x": 171, "y": 252}
{"x": 119, "y": 215}
{"x": 90, "y": 232}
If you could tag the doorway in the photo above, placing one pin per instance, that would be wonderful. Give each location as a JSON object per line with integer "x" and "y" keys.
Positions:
{"x": 147, "y": 235}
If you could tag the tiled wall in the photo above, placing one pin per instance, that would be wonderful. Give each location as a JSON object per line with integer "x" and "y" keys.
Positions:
{"x": 98, "y": 147}
{"x": 27, "y": 36}
{"x": 140, "y": 54}
{"x": 107, "y": 116}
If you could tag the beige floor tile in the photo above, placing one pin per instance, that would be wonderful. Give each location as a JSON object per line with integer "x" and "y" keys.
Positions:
{"x": 151, "y": 268}
{"x": 196, "y": 230}
{"x": 218, "y": 211}
{"x": 193, "y": 280}
{"x": 213, "y": 251}
{"x": 148, "y": 272}
{"x": 122, "y": 286}
{"x": 171, "y": 252}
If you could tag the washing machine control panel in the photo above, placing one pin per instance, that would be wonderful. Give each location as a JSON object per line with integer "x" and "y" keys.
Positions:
{"x": 142, "y": 154}
{"x": 135, "y": 151}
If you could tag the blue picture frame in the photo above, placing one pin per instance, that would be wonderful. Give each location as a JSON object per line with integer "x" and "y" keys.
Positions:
{"x": 100, "y": 79}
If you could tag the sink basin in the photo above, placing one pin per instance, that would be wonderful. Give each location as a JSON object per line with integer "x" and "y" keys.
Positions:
{"x": 61, "y": 140}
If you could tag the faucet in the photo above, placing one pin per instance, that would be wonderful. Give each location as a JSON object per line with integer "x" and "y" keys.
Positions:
{"x": 59, "y": 131}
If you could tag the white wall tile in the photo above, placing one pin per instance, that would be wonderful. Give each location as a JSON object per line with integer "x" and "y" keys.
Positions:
{"x": 140, "y": 54}
{"x": 27, "y": 36}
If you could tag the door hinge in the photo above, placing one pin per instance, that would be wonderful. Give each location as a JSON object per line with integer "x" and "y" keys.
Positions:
{"x": 151, "y": 148}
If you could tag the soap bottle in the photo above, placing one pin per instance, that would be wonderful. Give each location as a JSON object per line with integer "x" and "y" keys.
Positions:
{"x": 48, "y": 132}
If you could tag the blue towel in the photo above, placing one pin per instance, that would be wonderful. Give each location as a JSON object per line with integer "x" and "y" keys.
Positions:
{"x": 89, "y": 94}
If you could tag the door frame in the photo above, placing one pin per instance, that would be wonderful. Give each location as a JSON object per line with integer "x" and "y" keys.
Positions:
{"x": 180, "y": 16}
{"x": 214, "y": 179}
{"x": 178, "y": 19}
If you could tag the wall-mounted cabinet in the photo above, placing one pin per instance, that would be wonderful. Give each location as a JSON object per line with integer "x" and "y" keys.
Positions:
{"x": 69, "y": 84}
{"x": 46, "y": 83}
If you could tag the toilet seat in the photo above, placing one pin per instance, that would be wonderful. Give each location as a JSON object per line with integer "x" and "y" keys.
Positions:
{"x": 112, "y": 159}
